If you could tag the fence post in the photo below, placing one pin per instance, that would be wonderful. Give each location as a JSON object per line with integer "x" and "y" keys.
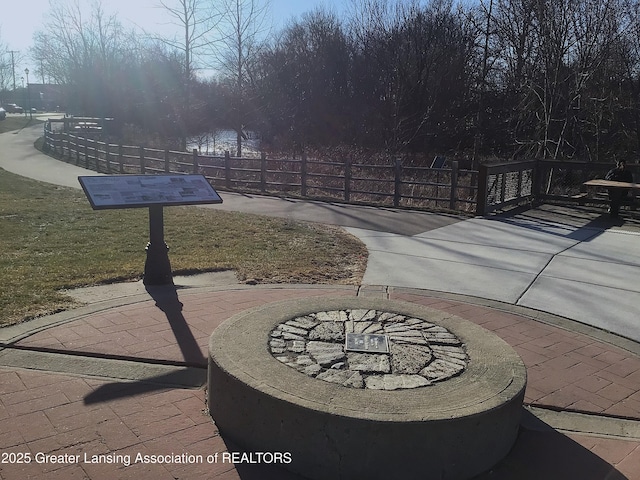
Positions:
{"x": 46, "y": 137}
{"x": 519, "y": 189}
{"x": 537, "y": 180}
{"x": 347, "y": 179}
{"x": 86, "y": 152}
{"x": 481, "y": 201}
{"x": 263, "y": 172}
{"x": 227, "y": 169}
{"x": 474, "y": 181}
{"x": 196, "y": 167}
{"x": 303, "y": 175}
{"x": 120, "y": 159}
{"x": 397, "y": 194}
{"x": 166, "y": 161}
{"x": 142, "y": 169}
{"x": 96, "y": 153}
{"x": 77, "y": 143}
{"x": 107, "y": 156}
{"x": 453, "y": 196}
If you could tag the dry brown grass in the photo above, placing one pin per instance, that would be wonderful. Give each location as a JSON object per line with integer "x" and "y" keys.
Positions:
{"x": 52, "y": 240}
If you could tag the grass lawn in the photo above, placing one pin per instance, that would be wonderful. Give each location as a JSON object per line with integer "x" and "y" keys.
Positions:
{"x": 51, "y": 240}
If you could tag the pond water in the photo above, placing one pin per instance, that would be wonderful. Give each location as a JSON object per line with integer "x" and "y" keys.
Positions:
{"x": 217, "y": 142}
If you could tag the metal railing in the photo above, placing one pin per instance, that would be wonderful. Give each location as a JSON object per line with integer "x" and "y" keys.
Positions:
{"x": 504, "y": 185}
{"x": 508, "y": 184}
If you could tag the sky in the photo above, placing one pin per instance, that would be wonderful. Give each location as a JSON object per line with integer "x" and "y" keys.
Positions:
{"x": 20, "y": 19}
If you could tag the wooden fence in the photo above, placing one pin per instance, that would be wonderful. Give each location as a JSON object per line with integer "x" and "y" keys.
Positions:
{"x": 377, "y": 183}
{"x": 390, "y": 182}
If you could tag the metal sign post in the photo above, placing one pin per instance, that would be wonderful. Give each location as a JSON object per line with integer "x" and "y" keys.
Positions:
{"x": 154, "y": 192}
{"x": 157, "y": 268}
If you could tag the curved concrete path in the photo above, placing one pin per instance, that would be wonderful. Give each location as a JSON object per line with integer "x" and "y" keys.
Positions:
{"x": 572, "y": 262}
{"x": 123, "y": 376}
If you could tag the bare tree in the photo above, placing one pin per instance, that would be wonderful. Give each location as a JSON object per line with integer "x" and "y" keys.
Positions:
{"x": 198, "y": 20}
{"x": 414, "y": 57}
{"x": 628, "y": 56}
{"x": 72, "y": 39}
{"x": 85, "y": 50}
{"x": 484, "y": 26}
{"x": 243, "y": 25}
{"x": 305, "y": 84}
{"x": 552, "y": 57}
{"x": 6, "y": 66}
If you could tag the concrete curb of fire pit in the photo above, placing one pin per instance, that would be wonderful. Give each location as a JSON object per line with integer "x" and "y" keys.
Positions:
{"x": 455, "y": 429}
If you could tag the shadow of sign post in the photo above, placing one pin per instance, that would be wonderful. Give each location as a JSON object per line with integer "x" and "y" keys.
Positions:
{"x": 153, "y": 192}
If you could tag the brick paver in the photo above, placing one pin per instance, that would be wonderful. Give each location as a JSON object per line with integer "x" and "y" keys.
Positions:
{"x": 144, "y": 331}
{"x": 162, "y": 422}
{"x": 565, "y": 370}
{"x": 57, "y": 414}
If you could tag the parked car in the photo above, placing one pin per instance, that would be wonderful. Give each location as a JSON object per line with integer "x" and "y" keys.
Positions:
{"x": 13, "y": 108}
{"x": 3, "y": 113}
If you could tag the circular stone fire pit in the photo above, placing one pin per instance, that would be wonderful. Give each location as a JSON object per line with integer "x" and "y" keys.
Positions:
{"x": 366, "y": 388}
{"x": 368, "y": 348}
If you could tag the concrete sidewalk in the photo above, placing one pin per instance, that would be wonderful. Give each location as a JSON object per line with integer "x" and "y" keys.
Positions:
{"x": 570, "y": 261}
{"x": 124, "y": 375}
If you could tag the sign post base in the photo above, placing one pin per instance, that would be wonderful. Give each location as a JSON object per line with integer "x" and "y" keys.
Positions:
{"x": 157, "y": 268}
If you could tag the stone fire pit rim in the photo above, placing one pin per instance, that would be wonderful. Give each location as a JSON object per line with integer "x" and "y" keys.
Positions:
{"x": 494, "y": 375}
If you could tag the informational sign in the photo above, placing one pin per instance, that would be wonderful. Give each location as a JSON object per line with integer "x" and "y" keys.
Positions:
{"x": 367, "y": 342}
{"x": 135, "y": 191}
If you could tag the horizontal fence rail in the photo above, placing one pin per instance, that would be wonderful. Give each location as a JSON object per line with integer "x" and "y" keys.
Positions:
{"x": 493, "y": 187}
{"x": 335, "y": 180}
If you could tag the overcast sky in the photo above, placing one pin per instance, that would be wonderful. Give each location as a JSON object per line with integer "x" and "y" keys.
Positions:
{"x": 21, "y": 18}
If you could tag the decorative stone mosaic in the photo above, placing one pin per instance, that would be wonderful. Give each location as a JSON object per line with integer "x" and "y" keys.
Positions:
{"x": 420, "y": 353}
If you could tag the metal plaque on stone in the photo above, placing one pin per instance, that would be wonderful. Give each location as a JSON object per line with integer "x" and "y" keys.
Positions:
{"x": 367, "y": 342}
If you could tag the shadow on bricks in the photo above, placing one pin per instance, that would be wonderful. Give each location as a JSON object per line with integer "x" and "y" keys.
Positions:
{"x": 542, "y": 452}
